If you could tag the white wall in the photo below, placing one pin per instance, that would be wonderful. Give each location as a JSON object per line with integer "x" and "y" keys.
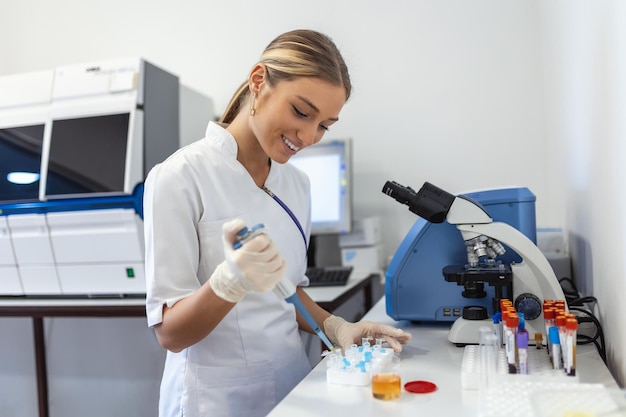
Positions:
{"x": 448, "y": 92}
{"x": 464, "y": 94}
{"x": 585, "y": 86}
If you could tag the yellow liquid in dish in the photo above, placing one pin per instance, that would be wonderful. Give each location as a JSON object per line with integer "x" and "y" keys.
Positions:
{"x": 386, "y": 386}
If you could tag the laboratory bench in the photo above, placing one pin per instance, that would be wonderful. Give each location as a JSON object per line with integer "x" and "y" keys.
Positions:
{"x": 330, "y": 298}
{"x": 428, "y": 356}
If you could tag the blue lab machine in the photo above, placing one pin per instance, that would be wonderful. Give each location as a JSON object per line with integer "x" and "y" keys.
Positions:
{"x": 415, "y": 288}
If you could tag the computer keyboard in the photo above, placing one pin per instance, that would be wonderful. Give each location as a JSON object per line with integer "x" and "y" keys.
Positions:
{"x": 328, "y": 275}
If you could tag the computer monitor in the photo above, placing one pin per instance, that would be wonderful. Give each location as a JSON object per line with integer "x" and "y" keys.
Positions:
{"x": 328, "y": 165}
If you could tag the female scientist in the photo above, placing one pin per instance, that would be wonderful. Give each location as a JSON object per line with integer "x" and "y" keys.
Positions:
{"x": 233, "y": 346}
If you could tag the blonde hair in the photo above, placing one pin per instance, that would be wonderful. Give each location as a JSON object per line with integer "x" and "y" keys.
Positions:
{"x": 298, "y": 53}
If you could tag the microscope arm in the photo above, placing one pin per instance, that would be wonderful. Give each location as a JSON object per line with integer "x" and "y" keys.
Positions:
{"x": 535, "y": 274}
{"x": 465, "y": 211}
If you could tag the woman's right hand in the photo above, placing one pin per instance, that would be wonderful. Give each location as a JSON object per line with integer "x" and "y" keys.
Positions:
{"x": 256, "y": 266}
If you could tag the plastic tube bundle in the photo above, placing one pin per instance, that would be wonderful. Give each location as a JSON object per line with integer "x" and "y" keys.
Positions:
{"x": 561, "y": 329}
{"x": 355, "y": 365}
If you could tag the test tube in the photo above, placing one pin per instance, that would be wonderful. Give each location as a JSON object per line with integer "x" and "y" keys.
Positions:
{"x": 522, "y": 350}
{"x": 497, "y": 326}
{"x": 560, "y": 324}
{"x": 538, "y": 340}
{"x": 332, "y": 361}
{"x": 560, "y": 305}
{"x": 512, "y": 322}
{"x": 555, "y": 347}
{"x": 505, "y": 315}
{"x": 571, "y": 326}
{"x": 488, "y": 351}
{"x": 548, "y": 315}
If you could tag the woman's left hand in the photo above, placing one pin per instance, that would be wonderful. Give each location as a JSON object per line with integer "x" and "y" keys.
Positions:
{"x": 344, "y": 333}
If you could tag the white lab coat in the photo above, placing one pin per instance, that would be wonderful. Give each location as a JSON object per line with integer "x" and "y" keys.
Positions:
{"x": 255, "y": 356}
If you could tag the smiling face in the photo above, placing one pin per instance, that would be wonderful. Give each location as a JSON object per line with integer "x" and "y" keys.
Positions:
{"x": 294, "y": 114}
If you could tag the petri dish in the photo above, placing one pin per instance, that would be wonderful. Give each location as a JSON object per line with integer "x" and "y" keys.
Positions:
{"x": 420, "y": 387}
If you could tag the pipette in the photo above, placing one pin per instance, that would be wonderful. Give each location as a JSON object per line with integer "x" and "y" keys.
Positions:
{"x": 285, "y": 288}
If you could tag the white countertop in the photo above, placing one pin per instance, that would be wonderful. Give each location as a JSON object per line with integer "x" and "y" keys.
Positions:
{"x": 428, "y": 356}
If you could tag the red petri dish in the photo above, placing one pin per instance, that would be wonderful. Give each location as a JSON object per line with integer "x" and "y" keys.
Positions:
{"x": 420, "y": 387}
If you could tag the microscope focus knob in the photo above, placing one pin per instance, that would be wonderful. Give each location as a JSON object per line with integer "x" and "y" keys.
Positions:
{"x": 475, "y": 313}
{"x": 529, "y": 304}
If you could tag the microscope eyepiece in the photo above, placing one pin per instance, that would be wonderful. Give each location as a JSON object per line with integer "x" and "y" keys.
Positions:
{"x": 430, "y": 202}
{"x": 400, "y": 193}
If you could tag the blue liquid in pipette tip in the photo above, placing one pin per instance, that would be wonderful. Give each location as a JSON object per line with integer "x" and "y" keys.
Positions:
{"x": 293, "y": 299}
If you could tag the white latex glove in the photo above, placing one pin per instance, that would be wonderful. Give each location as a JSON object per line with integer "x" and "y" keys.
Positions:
{"x": 344, "y": 333}
{"x": 256, "y": 266}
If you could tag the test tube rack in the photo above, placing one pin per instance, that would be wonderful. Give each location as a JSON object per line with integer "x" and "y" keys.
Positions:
{"x": 540, "y": 368}
{"x": 355, "y": 366}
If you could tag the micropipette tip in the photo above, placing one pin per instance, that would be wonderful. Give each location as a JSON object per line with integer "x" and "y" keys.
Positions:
{"x": 322, "y": 336}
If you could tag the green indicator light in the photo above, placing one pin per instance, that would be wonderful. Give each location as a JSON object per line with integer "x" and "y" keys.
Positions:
{"x": 130, "y": 273}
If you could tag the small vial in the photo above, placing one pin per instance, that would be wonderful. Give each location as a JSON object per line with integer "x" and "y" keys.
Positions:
{"x": 550, "y": 319}
{"x": 512, "y": 321}
{"x": 497, "y": 326}
{"x": 488, "y": 350}
{"x": 555, "y": 347}
{"x": 538, "y": 340}
{"x": 560, "y": 320}
{"x": 332, "y": 361}
{"x": 522, "y": 350}
{"x": 571, "y": 326}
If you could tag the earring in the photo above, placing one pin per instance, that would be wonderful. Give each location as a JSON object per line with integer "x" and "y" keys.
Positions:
{"x": 252, "y": 109}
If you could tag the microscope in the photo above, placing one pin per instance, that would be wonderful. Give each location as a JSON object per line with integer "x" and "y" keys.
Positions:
{"x": 527, "y": 283}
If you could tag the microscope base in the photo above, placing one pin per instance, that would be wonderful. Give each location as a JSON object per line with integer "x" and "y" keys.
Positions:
{"x": 465, "y": 332}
